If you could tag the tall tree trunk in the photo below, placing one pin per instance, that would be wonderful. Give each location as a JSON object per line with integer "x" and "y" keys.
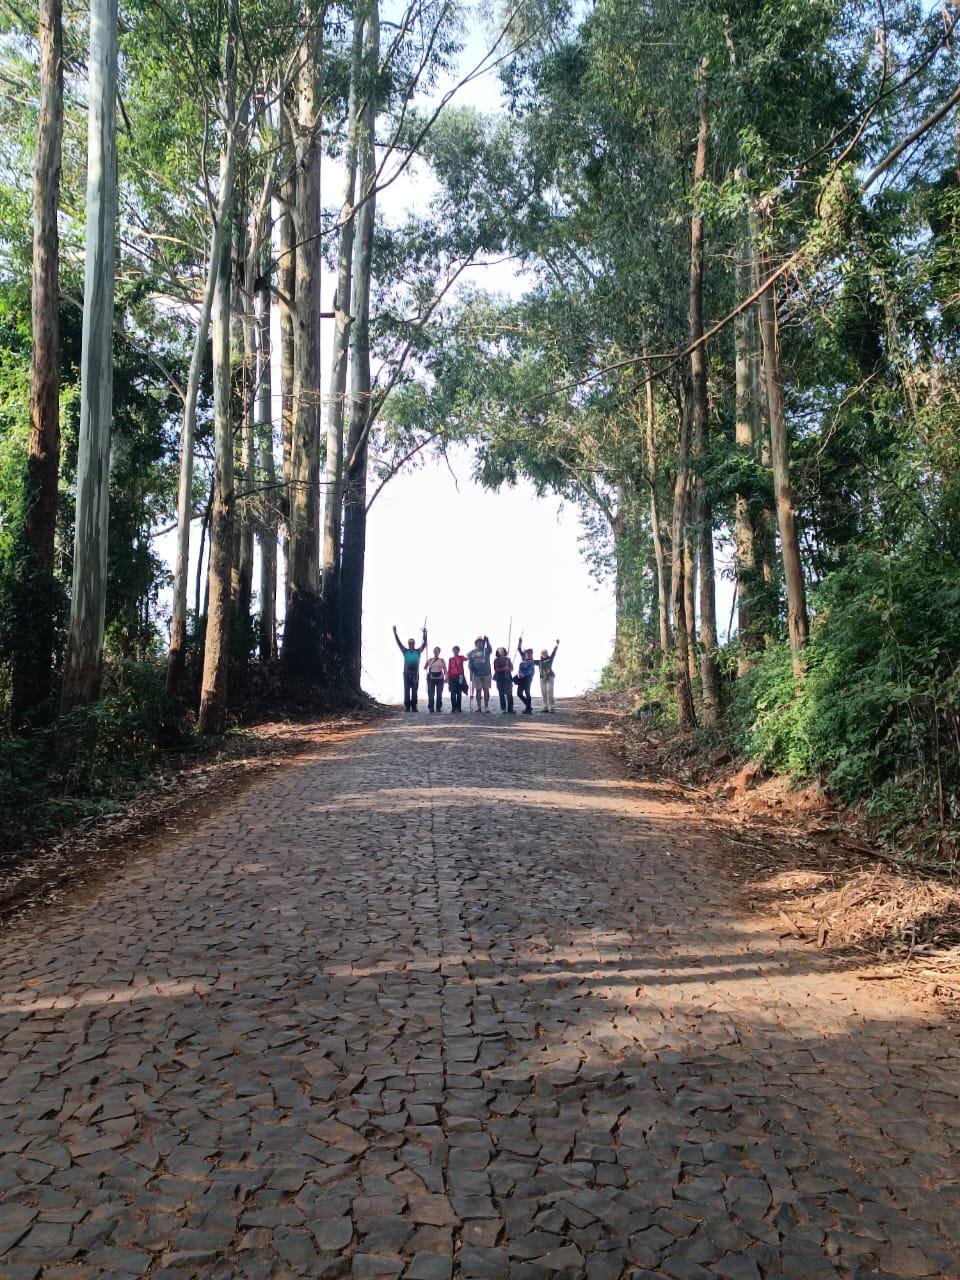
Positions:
{"x": 32, "y": 660}
{"x": 303, "y": 647}
{"x": 620, "y": 596}
{"x": 659, "y": 555}
{"x": 213, "y": 692}
{"x": 216, "y": 649}
{"x": 690, "y": 585}
{"x": 747, "y": 430}
{"x": 703, "y": 512}
{"x": 177, "y": 653}
{"x": 246, "y": 506}
{"x": 683, "y": 691}
{"x": 361, "y": 408}
{"x": 797, "y": 621}
{"x": 766, "y": 541}
{"x": 199, "y": 610}
{"x": 83, "y": 664}
{"x": 239, "y": 387}
{"x": 268, "y": 503}
{"x": 286, "y": 295}
{"x": 752, "y": 559}
{"x": 333, "y": 491}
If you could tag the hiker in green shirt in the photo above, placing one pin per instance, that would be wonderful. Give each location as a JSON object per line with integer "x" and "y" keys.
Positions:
{"x": 411, "y": 668}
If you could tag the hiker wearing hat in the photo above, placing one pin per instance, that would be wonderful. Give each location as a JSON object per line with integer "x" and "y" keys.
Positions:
{"x": 545, "y": 663}
{"x": 411, "y": 668}
{"x": 478, "y": 660}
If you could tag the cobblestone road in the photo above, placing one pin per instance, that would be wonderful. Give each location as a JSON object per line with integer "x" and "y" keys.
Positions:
{"x": 452, "y": 997}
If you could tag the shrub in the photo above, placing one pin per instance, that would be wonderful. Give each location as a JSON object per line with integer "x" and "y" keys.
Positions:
{"x": 88, "y": 761}
{"x": 877, "y": 713}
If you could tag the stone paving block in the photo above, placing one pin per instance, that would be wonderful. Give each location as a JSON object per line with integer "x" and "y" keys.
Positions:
{"x": 736, "y": 1266}
{"x": 430, "y": 1266}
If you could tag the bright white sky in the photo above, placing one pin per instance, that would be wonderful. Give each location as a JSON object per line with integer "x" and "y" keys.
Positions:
{"x": 469, "y": 561}
{"x": 440, "y": 546}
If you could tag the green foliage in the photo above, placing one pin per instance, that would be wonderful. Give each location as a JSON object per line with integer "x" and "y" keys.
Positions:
{"x": 90, "y": 760}
{"x": 143, "y": 479}
{"x": 877, "y": 714}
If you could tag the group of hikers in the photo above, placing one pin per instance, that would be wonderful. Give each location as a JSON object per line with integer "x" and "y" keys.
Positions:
{"x": 484, "y": 668}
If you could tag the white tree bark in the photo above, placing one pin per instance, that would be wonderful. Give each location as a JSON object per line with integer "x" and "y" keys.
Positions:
{"x": 83, "y": 666}
{"x": 333, "y": 496}
{"x": 213, "y": 691}
{"x": 302, "y": 638}
{"x": 355, "y": 485}
{"x": 176, "y": 656}
{"x": 213, "y": 688}
{"x": 268, "y": 504}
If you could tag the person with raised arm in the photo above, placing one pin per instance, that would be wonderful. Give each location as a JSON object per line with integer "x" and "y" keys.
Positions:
{"x": 411, "y": 667}
{"x": 436, "y": 669}
{"x": 503, "y": 674}
{"x": 478, "y": 660}
{"x": 525, "y": 676}
{"x": 545, "y": 663}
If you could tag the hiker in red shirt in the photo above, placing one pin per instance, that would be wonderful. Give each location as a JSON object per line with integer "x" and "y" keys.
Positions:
{"x": 456, "y": 681}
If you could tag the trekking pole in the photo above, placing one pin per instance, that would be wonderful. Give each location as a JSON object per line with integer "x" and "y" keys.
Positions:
{"x": 510, "y": 634}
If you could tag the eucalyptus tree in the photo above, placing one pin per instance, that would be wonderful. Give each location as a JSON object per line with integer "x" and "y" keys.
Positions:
{"x": 213, "y": 689}
{"x": 354, "y": 497}
{"x": 268, "y": 523}
{"x": 83, "y": 663}
{"x": 32, "y": 665}
{"x": 344, "y": 316}
{"x": 303, "y": 647}
{"x": 191, "y": 40}
{"x": 176, "y": 656}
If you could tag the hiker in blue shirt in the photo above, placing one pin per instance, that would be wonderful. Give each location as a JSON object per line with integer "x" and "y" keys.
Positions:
{"x": 411, "y": 668}
{"x": 525, "y": 672}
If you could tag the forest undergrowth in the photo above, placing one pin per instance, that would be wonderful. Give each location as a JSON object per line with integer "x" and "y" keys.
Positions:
{"x": 872, "y": 722}
{"x": 137, "y": 742}
{"x": 136, "y": 774}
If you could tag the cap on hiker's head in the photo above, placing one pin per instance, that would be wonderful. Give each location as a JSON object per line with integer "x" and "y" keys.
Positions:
{"x": 412, "y": 643}
{"x": 479, "y": 640}
{"x": 544, "y": 653}
{"x": 501, "y": 651}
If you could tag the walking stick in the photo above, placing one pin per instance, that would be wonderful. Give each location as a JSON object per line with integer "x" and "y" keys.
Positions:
{"x": 510, "y": 634}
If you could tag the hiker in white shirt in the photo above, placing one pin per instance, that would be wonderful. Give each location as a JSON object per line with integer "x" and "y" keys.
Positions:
{"x": 436, "y": 669}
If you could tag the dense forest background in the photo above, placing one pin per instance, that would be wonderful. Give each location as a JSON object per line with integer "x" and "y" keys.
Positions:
{"x": 739, "y": 221}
